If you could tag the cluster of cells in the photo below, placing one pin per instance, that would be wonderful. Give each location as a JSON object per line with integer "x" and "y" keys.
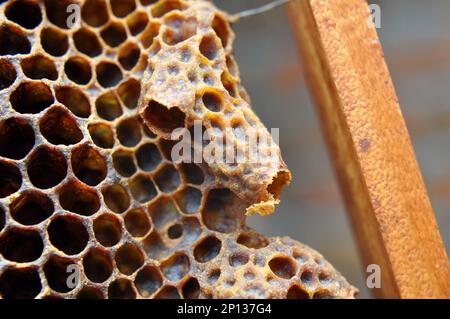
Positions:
{"x": 84, "y": 183}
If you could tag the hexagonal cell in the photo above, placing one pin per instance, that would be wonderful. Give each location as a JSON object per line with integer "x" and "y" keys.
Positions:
{"x": 88, "y": 165}
{"x": 218, "y": 213}
{"x": 137, "y": 22}
{"x": 222, "y": 29}
{"x": 31, "y": 208}
{"x": 20, "y": 283}
{"x": 209, "y": 47}
{"x": 213, "y": 276}
{"x": 167, "y": 178}
{"x": 229, "y": 84}
{"x": 31, "y": 97}
{"x": 179, "y": 28}
{"x": 307, "y": 277}
{"x": 116, "y": 198}
{"x": 87, "y": 42}
{"x": 13, "y": 41}
{"x": 54, "y": 41}
{"x": 95, "y": 12}
{"x": 123, "y": 162}
{"x": 129, "y": 92}
{"x": 142, "y": 188}
{"x": 176, "y": 267}
{"x": 149, "y": 34}
{"x": 148, "y": 280}
{"x": 7, "y": 74}
{"x": 10, "y": 179}
{"x": 207, "y": 249}
{"x": 189, "y": 200}
{"x": 89, "y": 292}
{"x": 163, "y": 7}
{"x": 25, "y": 13}
{"x": 212, "y": 101}
{"x": 107, "y": 230}
{"x": 21, "y": 245}
{"x": 68, "y": 234}
{"x": 108, "y": 74}
{"x": 252, "y": 240}
{"x": 137, "y": 222}
{"x": 238, "y": 259}
{"x": 102, "y": 135}
{"x": 163, "y": 211}
{"x": 57, "y": 13}
{"x": 162, "y": 118}
{"x": 39, "y": 67}
{"x": 148, "y": 157}
{"x": 75, "y": 100}
{"x": 191, "y": 229}
{"x": 98, "y": 265}
{"x": 129, "y": 132}
{"x": 59, "y": 127}
{"x": 154, "y": 246}
{"x": 192, "y": 173}
{"x": 16, "y": 138}
{"x": 55, "y": 270}
{"x": 79, "y": 198}
{"x": 108, "y": 106}
{"x": 114, "y": 34}
{"x": 191, "y": 289}
{"x": 46, "y": 167}
{"x": 167, "y": 292}
{"x": 129, "y": 55}
{"x": 78, "y": 70}
{"x": 121, "y": 289}
{"x": 122, "y": 8}
{"x": 129, "y": 258}
{"x": 283, "y": 267}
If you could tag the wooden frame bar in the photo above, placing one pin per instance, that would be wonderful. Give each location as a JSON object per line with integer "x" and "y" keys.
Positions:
{"x": 370, "y": 147}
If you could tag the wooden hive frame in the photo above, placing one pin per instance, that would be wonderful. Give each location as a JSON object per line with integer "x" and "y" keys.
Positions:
{"x": 370, "y": 147}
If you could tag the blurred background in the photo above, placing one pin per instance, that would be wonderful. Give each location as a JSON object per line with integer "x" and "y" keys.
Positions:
{"x": 416, "y": 39}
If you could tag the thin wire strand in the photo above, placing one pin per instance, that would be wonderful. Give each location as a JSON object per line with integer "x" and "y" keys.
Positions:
{"x": 251, "y": 12}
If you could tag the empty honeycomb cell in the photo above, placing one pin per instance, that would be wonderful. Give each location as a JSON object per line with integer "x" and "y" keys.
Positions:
{"x": 167, "y": 292}
{"x": 10, "y": 179}
{"x": 68, "y": 234}
{"x": 238, "y": 259}
{"x": 129, "y": 55}
{"x": 137, "y": 22}
{"x": 7, "y": 74}
{"x": 57, "y": 12}
{"x": 79, "y": 199}
{"x": 129, "y": 132}
{"x": 39, "y": 67}
{"x": 191, "y": 229}
{"x": 98, "y": 265}
{"x": 114, "y": 34}
{"x": 192, "y": 173}
{"x": 252, "y": 240}
{"x": 176, "y": 267}
{"x": 21, "y": 245}
{"x": 149, "y": 34}
{"x": 25, "y": 13}
{"x": 191, "y": 289}
{"x": 249, "y": 275}
{"x": 167, "y": 178}
{"x": 55, "y": 270}
{"x": 148, "y": 157}
{"x": 87, "y": 42}
{"x": 189, "y": 200}
{"x": 212, "y": 101}
{"x": 102, "y": 135}
{"x": 322, "y": 294}
{"x": 179, "y": 28}
{"x": 307, "y": 277}
{"x": 142, "y": 188}
{"x": 129, "y": 258}
{"x": 108, "y": 106}
{"x": 137, "y": 222}
{"x": 20, "y": 283}
{"x": 75, "y": 100}
{"x": 213, "y": 276}
{"x": 122, "y": 8}
{"x": 299, "y": 256}
{"x": 208, "y": 47}
{"x": 324, "y": 278}
{"x": 46, "y": 167}
{"x": 31, "y": 97}
{"x": 88, "y": 165}
{"x": 124, "y": 163}
{"x": 228, "y": 84}
{"x": 163, "y": 211}
{"x": 95, "y": 12}
{"x": 108, "y": 74}
{"x": 78, "y": 70}
{"x": 88, "y": 292}
{"x": 13, "y": 41}
{"x": 154, "y": 246}
{"x": 107, "y": 230}
{"x": 282, "y": 266}
{"x": 232, "y": 66}
{"x": 163, "y": 7}
{"x": 59, "y": 127}
{"x": 116, "y": 198}
{"x": 218, "y": 213}
{"x": 175, "y": 231}
{"x": 222, "y": 29}
{"x": 121, "y": 289}
{"x": 161, "y": 118}
{"x": 54, "y": 41}
{"x": 31, "y": 208}
{"x": 207, "y": 249}
{"x": 148, "y": 281}
{"x": 129, "y": 92}
{"x": 16, "y": 138}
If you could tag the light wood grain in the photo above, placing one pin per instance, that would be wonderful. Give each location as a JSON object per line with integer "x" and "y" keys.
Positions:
{"x": 370, "y": 147}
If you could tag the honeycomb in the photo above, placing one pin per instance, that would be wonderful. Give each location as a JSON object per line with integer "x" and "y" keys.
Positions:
{"x": 86, "y": 173}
